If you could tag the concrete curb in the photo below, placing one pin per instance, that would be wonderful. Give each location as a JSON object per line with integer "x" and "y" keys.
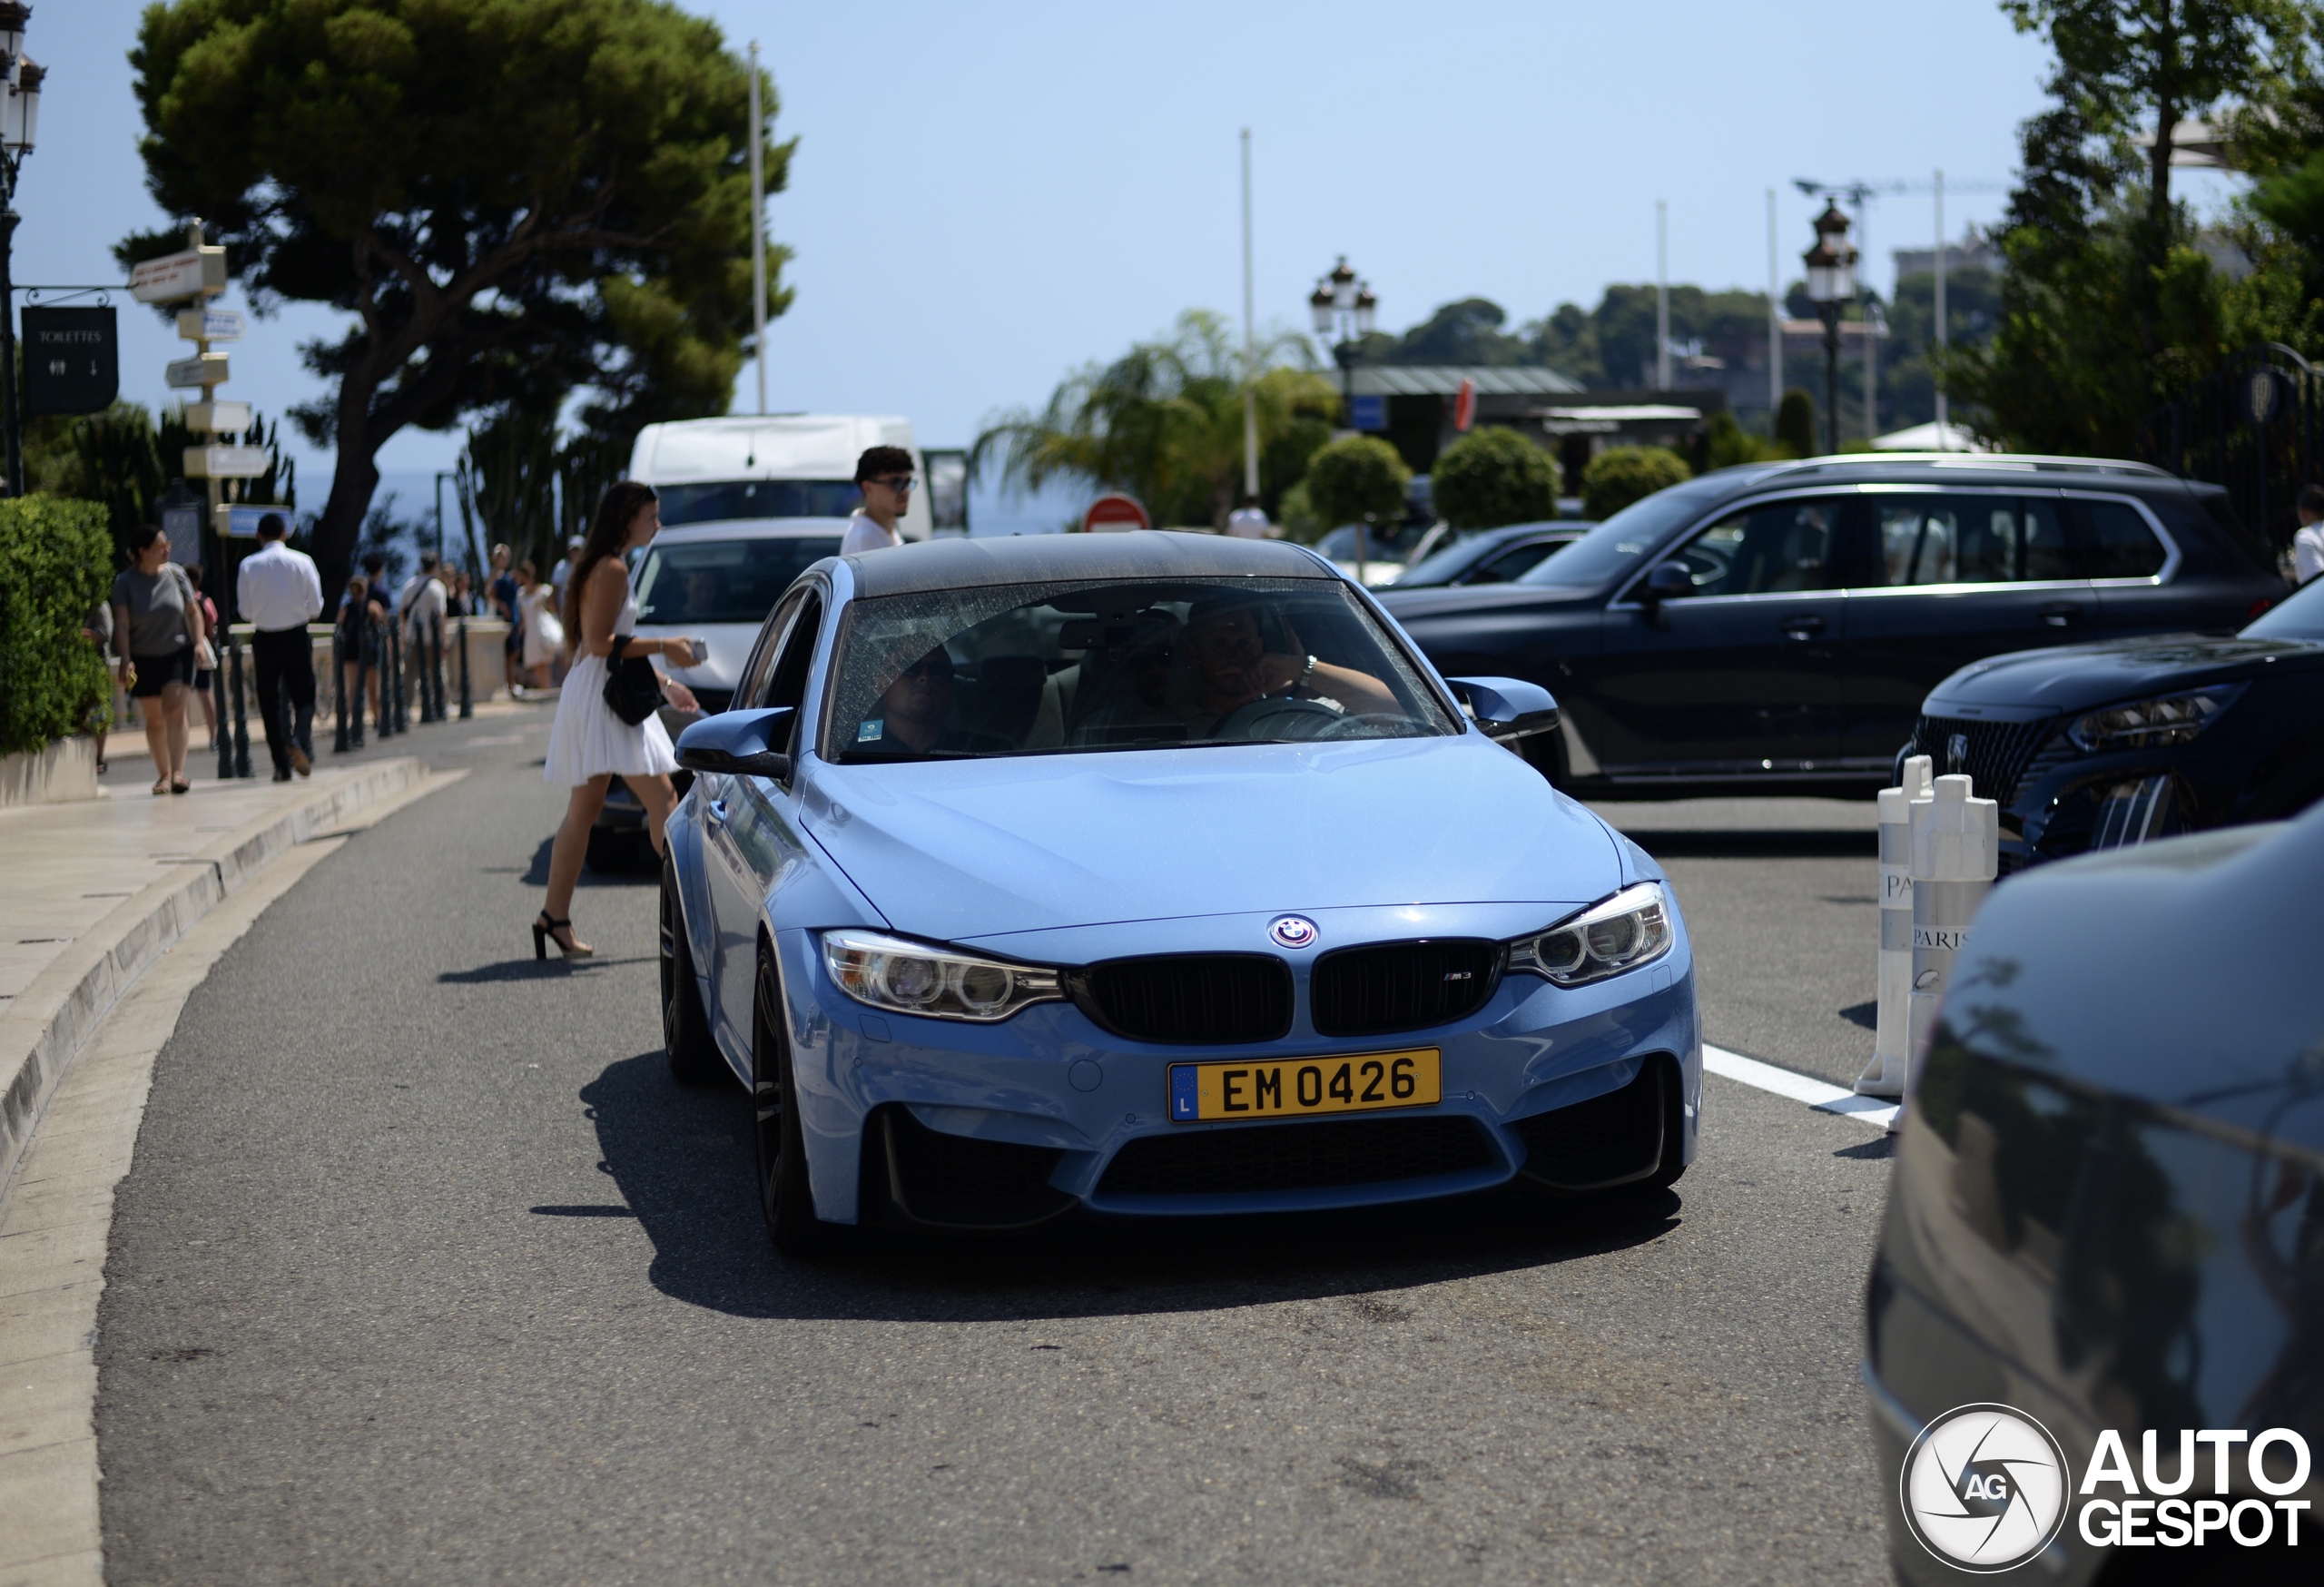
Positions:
{"x": 46, "y": 1024}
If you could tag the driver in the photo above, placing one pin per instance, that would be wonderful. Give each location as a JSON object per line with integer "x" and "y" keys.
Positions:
{"x": 1233, "y": 667}
{"x": 914, "y": 714}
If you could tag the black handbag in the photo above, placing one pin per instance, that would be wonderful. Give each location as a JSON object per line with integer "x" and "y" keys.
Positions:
{"x": 632, "y": 689}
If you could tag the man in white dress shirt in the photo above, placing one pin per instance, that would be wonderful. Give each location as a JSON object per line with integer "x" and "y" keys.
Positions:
{"x": 279, "y": 592}
{"x": 883, "y": 474}
{"x": 2308, "y": 541}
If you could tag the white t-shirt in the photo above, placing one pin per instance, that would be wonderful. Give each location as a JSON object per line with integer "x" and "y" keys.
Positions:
{"x": 1249, "y": 523}
{"x": 864, "y": 534}
{"x": 2308, "y": 553}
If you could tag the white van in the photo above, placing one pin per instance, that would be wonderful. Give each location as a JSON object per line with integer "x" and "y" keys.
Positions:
{"x": 781, "y": 466}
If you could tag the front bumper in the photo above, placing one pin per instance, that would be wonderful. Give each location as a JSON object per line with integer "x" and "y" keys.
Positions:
{"x": 1050, "y": 1080}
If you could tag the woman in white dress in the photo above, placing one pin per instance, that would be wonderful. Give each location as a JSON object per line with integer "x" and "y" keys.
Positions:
{"x": 588, "y": 744}
{"x": 542, "y": 634}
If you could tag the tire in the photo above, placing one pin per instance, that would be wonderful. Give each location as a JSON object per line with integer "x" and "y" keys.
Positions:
{"x": 778, "y": 1146}
{"x": 2288, "y": 793}
{"x": 615, "y": 852}
{"x": 685, "y": 1028}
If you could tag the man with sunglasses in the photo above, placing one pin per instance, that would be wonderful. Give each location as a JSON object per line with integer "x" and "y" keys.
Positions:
{"x": 883, "y": 474}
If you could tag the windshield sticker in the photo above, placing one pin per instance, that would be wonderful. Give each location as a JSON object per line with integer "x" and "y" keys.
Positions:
{"x": 870, "y": 731}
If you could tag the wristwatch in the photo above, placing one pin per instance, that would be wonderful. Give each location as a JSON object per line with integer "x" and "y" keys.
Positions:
{"x": 1305, "y": 673}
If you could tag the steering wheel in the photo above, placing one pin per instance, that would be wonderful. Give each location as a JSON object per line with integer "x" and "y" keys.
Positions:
{"x": 1273, "y": 719}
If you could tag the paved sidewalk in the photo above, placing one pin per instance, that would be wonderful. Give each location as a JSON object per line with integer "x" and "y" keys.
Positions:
{"x": 92, "y": 892}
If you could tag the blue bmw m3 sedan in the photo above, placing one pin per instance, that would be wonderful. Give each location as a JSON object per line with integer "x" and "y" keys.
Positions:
{"x": 1041, "y": 875}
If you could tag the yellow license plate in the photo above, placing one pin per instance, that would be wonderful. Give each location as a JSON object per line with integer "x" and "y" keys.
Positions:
{"x": 1294, "y": 1088}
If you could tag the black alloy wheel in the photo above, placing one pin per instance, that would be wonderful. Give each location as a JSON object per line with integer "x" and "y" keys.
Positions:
{"x": 685, "y": 1028}
{"x": 784, "y": 1199}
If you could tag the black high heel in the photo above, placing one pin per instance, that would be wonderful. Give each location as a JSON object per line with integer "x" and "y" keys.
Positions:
{"x": 544, "y": 929}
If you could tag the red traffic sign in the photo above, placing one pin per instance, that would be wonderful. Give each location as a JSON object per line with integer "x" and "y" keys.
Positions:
{"x": 1113, "y": 512}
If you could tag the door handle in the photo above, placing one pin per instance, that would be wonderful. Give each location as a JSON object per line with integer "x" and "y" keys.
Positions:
{"x": 1804, "y": 627}
{"x": 717, "y": 808}
{"x": 2058, "y": 614}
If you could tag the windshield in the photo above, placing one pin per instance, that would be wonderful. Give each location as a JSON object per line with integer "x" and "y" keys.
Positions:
{"x": 1610, "y": 550}
{"x": 757, "y": 498}
{"x": 1118, "y": 664}
{"x": 2299, "y": 615}
{"x": 723, "y": 581}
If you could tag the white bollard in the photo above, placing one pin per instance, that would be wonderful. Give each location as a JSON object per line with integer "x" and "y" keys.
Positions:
{"x": 1891, "y": 1045}
{"x": 1956, "y": 853}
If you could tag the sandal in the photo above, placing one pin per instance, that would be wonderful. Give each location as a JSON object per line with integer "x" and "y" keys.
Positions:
{"x": 545, "y": 931}
{"x": 180, "y": 785}
{"x": 160, "y": 787}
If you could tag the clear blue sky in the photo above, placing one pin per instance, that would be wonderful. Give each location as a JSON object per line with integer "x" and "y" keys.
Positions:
{"x": 984, "y": 197}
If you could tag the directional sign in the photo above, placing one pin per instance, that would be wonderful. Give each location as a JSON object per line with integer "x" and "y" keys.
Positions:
{"x": 217, "y": 416}
{"x": 72, "y": 360}
{"x": 207, "y": 369}
{"x": 1115, "y": 512}
{"x": 240, "y": 522}
{"x": 226, "y": 462}
{"x": 190, "y": 274}
{"x": 210, "y": 325}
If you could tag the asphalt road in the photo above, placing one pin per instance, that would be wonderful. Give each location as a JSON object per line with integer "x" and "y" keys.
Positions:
{"x": 425, "y": 1272}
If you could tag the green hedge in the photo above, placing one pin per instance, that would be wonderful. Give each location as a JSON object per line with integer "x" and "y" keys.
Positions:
{"x": 55, "y": 564}
{"x": 1493, "y": 476}
{"x": 1620, "y": 476}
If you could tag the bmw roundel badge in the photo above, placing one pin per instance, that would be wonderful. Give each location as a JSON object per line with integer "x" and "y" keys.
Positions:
{"x": 1293, "y": 931}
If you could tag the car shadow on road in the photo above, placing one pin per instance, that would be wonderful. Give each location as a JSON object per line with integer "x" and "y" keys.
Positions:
{"x": 682, "y": 1158}
{"x": 537, "y": 873}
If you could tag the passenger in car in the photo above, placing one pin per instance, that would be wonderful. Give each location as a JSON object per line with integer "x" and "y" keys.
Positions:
{"x": 1232, "y": 666}
{"x": 1121, "y": 692}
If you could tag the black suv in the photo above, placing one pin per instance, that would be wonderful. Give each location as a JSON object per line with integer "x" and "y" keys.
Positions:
{"x": 1774, "y": 629}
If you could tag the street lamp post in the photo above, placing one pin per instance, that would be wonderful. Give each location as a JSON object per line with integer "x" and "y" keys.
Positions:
{"x": 1831, "y": 283}
{"x": 19, "y": 120}
{"x": 1344, "y": 312}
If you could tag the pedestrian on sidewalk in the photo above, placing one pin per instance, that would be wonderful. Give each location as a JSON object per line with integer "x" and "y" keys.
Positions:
{"x": 354, "y": 623}
{"x": 542, "y": 637}
{"x": 563, "y": 571}
{"x": 279, "y": 592}
{"x": 96, "y": 627}
{"x": 884, "y": 476}
{"x": 160, "y": 640}
{"x": 2308, "y": 540}
{"x": 588, "y": 746}
{"x": 501, "y": 586}
{"x": 204, "y": 683}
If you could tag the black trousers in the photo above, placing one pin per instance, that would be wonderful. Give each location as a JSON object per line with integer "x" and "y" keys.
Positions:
{"x": 286, "y": 658}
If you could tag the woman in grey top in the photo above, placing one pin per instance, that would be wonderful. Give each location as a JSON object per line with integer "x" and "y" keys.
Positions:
{"x": 160, "y": 638}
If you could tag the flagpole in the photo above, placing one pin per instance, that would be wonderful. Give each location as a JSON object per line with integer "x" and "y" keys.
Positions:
{"x": 758, "y": 230}
{"x": 1250, "y": 347}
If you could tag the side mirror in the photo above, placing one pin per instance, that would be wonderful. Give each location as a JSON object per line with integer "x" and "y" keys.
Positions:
{"x": 737, "y": 744}
{"x": 1507, "y": 709}
{"x": 1666, "y": 581}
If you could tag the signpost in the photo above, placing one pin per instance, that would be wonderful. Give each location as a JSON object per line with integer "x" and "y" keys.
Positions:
{"x": 1113, "y": 513}
{"x": 197, "y": 272}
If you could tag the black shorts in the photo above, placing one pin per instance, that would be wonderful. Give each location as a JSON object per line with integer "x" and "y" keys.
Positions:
{"x": 155, "y": 673}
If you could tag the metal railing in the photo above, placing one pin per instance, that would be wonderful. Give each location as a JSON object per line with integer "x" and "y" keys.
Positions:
{"x": 2253, "y": 426}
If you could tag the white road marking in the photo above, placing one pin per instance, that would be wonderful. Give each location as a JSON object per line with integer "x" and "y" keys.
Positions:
{"x": 1820, "y": 1095}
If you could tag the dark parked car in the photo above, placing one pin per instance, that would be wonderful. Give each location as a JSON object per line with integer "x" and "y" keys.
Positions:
{"x": 2107, "y": 1215}
{"x": 2096, "y": 746}
{"x": 1776, "y": 627}
{"x": 1499, "y": 556}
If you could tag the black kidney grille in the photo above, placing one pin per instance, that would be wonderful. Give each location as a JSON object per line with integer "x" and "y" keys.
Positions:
{"x": 1188, "y": 997}
{"x": 1995, "y": 754}
{"x": 1313, "y": 1155}
{"x": 1401, "y": 986}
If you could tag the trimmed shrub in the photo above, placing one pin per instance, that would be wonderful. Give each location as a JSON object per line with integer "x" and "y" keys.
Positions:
{"x": 55, "y": 564}
{"x": 1796, "y": 424}
{"x": 1493, "y": 476}
{"x": 1356, "y": 478}
{"x": 1620, "y": 476}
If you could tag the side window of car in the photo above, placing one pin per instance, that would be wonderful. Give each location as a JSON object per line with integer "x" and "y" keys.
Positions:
{"x": 750, "y": 687}
{"x": 2118, "y": 542}
{"x": 1970, "y": 539}
{"x": 1769, "y": 549}
{"x": 787, "y": 684}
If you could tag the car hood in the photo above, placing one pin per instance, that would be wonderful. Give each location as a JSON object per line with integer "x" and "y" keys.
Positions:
{"x": 2072, "y": 677}
{"x": 958, "y": 849}
{"x": 1466, "y": 600}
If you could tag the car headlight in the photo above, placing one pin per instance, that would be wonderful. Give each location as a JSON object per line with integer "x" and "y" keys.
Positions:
{"x": 912, "y": 977}
{"x": 1631, "y": 929}
{"x": 2156, "y": 723}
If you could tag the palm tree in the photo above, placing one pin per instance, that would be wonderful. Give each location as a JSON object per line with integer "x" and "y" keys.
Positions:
{"x": 1165, "y": 420}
